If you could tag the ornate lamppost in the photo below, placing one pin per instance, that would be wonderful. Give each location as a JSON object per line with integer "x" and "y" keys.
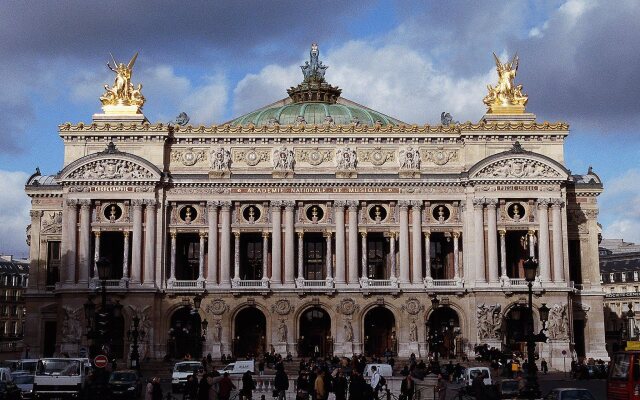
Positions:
{"x": 133, "y": 335}
{"x": 532, "y": 389}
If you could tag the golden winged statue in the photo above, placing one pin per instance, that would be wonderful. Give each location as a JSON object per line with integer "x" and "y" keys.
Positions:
{"x": 506, "y": 97}
{"x": 122, "y": 94}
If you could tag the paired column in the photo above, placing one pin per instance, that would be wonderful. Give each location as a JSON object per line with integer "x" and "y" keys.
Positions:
{"x": 558, "y": 259}
{"x": 301, "y": 255}
{"x": 289, "y": 244}
{"x": 328, "y": 256}
{"x": 427, "y": 254}
{"x": 203, "y": 235}
{"x": 172, "y": 270}
{"x": 353, "y": 242}
{"x": 150, "y": 243}
{"x": 456, "y": 255}
{"x": 364, "y": 255}
{"x": 265, "y": 252}
{"x": 416, "y": 236}
{"x": 96, "y": 253}
{"x": 136, "y": 246}
{"x": 84, "y": 248}
{"x": 70, "y": 234}
{"x": 492, "y": 239}
{"x": 236, "y": 255}
{"x": 125, "y": 257}
{"x": 503, "y": 254}
{"x": 338, "y": 207}
{"x": 392, "y": 250}
{"x": 543, "y": 240}
{"x": 404, "y": 241}
{"x": 531, "y": 234}
{"x": 212, "y": 260}
{"x": 225, "y": 243}
{"x": 478, "y": 222}
{"x": 276, "y": 242}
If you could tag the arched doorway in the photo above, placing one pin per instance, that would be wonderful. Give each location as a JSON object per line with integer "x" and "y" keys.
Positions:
{"x": 517, "y": 323}
{"x": 315, "y": 333}
{"x": 379, "y": 332}
{"x": 443, "y": 332}
{"x": 185, "y": 334}
{"x": 250, "y": 333}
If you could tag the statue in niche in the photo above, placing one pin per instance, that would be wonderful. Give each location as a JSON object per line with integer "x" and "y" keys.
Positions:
{"x": 282, "y": 331}
{"x": 348, "y": 332}
{"x": 217, "y": 331}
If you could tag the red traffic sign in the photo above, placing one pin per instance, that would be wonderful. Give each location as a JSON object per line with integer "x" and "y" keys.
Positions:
{"x": 100, "y": 361}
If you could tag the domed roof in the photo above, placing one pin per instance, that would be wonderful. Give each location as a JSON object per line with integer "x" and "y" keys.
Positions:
{"x": 314, "y": 102}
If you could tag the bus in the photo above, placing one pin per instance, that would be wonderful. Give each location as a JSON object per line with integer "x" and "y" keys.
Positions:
{"x": 623, "y": 382}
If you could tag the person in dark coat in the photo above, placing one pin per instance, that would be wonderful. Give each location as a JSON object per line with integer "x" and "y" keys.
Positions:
{"x": 281, "y": 382}
{"x": 407, "y": 387}
{"x": 156, "y": 393}
{"x": 340, "y": 385}
{"x": 477, "y": 387}
{"x": 248, "y": 385}
{"x": 203, "y": 388}
{"x": 358, "y": 388}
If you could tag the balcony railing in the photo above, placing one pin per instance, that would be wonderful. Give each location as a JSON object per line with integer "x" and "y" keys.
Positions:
{"x": 109, "y": 283}
{"x": 367, "y": 283}
{"x": 311, "y": 284}
{"x": 185, "y": 285}
{"x": 443, "y": 283}
{"x": 249, "y": 284}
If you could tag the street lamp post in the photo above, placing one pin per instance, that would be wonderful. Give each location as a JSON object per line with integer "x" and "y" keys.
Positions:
{"x": 133, "y": 335}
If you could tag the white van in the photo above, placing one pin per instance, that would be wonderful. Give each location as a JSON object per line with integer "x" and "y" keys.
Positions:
{"x": 383, "y": 369}
{"x": 238, "y": 367}
{"x": 472, "y": 372}
{"x": 181, "y": 370}
{"x": 61, "y": 377}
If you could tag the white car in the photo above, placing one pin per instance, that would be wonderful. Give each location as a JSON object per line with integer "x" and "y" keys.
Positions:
{"x": 181, "y": 370}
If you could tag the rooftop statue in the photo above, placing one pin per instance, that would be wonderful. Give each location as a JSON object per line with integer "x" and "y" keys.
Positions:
{"x": 122, "y": 93}
{"x": 313, "y": 70}
{"x": 506, "y": 97}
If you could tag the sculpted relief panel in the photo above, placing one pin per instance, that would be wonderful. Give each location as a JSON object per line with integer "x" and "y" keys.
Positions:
{"x": 518, "y": 168}
{"x": 111, "y": 169}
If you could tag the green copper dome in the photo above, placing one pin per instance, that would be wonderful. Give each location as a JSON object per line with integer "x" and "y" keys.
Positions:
{"x": 314, "y": 102}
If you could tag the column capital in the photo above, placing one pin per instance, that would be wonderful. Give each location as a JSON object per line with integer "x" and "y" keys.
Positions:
{"x": 416, "y": 203}
{"x": 276, "y": 204}
{"x": 502, "y": 232}
{"x": 212, "y": 205}
{"x": 427, "y": 234}
{"x": 403, "y": 204}
{"x": 97, "y": 233}
{"x": 393, "y": 235}
{"x": 491, "y": 203}
{"x": 150, "y": 202}
{"x": 543, "y": 203}
{"x": 363, "y": 234}
{"x": 339, "y": 203}
{"x": 289, "y": 205}
{"x": 300, "y": 234}
{"x": 125, "y": 233}
{"x": 203, "y": 234}
{"x": 226, "y": 205}
{"x": 137, "y": 203}
{"x": 84, "y": 203}
{"x": 455, "y": 234}
{"x": 236, "y": 234}
{"x": 327, "y": 234}
{"x": 173, "y": 234}
{"x": 557, "y": 203}
{"x": 265, "y": 234}
{"x": 35, "y": 214}
{"x": 478, "y": 203}
{"x": 353, "y": 205}
{"x": 72, "y": 202}
{"x": 531, "y": 232}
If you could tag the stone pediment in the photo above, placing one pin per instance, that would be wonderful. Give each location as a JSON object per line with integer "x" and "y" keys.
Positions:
{"x": 518, "y": 164}
{"x": 111, "y": 165}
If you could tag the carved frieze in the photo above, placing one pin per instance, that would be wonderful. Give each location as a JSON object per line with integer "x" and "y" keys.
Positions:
{"x": 251, "y": 157}
{"x": 518, "y": 168}
{"x": 111, "y": 169}
{"x": 439, "y": 156}
{"x": 315, "y": 156}
{"x": 346, "y": 159}
{"x": 220, "y": 159}
{"x": 489, "y": 321}
{"x": 283, "y": 159}
{"x": 558, "y": 327}
{"x": 347, "y": 306}
{"x": 52, "y": 222}
{"x": 409, "y": 158}
{"x": 282, "y": 307}
{"x": 217, "y": 307}
{"x": 413, "y": 306}
{"x": 188, "y": 157}
{"x": 376, "y": 156}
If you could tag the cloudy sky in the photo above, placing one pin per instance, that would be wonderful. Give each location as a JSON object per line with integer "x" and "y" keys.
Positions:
{"x": 411, "y": 60}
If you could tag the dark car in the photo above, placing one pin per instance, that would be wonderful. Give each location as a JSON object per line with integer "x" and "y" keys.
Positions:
{"x": 24, "y": 381}
{"x": 569, "y": 394}
{"x": 125, "y": 384}
{"x": 509, "y": 389}
{"x": 9, "y": 391}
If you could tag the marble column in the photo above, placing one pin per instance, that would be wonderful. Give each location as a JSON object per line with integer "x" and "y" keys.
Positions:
{"x": 478, "y": 222}
{"x": 531, "y": 235}
{"x": 276, "y": 242}
{"x": 328, "y": 255}
{"x": 558, "y": 258}
{"x": 212, "y": 249}
{"x": 125, "y": 256}
{"x": 364, "y": 261}
{"x": 503, "y": 254}
{"x": 225, "y": 243}
{"x": 84, "y": 249}
{"x": 301, "y": 254}
{"x": 96, "y": 253}
{"x": 70, "y": 235}
{"x": 353, "y": 242}
{"x": 289, "y": 243}
{"x": 136, "y": 242}
{"x": 456, "y": 255}
{"x": 172, "y": 271}
{"x": 338, "y": 207}
{"x": 236, "y": 255}
{"x": 416, "y": 236}
{"x": 150, "y": 243}
{"x": 492, "y": 240}
{"x": 427, "y": 254}
{"x": 265, "y": 253}
{"x": 404, "y": 241}
{"x": 392, "y": 250}
{"x": 203, "y": 235}
{"x": 543, "y": 240}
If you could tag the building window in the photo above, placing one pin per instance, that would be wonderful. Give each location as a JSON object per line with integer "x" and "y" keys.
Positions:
{"x": 53, "y": 263}
{"x": 377, "y": 251}
{"x": 635, "y": 289}
{"x": 441, "y": 253}
{"x": 314, "y": 252}
{"x": 251, "y": 256}
{"x": 623, "y": 277}
{"x": 187, "y": 256}
{"x": 611, "y": 277}
{"x": 635, "y": 276}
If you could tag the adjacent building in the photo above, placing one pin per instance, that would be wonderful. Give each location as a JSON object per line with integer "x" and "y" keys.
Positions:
{"x": 14, "y": 278}
{"x": 316, "y": 224}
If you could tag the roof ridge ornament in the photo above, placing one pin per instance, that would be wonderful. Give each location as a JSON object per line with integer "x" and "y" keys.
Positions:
{"x": 314, "y": 88}
{"x": 517, "y": 148}
{"x": 506, "y": 97}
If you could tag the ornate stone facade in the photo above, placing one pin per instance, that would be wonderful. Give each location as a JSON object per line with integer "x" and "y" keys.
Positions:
{"x": 300, "y": 232}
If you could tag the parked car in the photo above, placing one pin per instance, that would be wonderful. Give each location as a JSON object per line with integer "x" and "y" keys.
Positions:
{"x": 509, "y": 389}
{"x": 125, "y": 384}
{"x": 8, "y": 389}
{"x": 24, "y": 381}
{"x": 569, "y": 394}
{"x": 181, "y": 370}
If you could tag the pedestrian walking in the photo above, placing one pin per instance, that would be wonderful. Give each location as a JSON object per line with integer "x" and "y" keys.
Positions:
{"x": 248, "y": 385}
{"x": 225, "y": 386}
{"x": 281, "y": 382}
{"x": 157, "y": 389}
{"x": 407, "y": 387}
